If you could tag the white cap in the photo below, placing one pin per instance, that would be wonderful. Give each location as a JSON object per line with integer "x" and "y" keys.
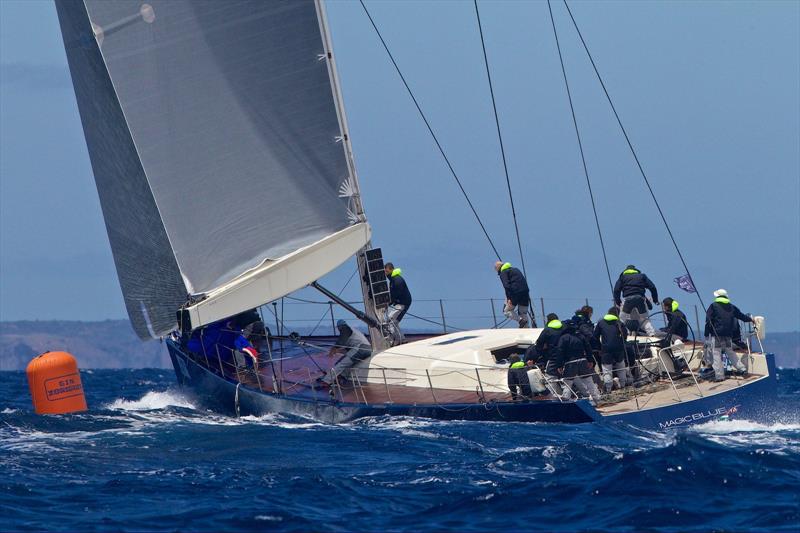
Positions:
{"x": 720, "y": 292}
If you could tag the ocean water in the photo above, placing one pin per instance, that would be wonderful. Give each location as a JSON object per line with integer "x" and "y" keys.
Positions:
{"x": 144, "y": 458}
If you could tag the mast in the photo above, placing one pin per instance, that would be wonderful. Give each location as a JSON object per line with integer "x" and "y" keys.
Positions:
{"x": 375, "y": 320}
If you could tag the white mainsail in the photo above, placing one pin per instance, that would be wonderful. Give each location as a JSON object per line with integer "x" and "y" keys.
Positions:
{"x": 218, "y": 147}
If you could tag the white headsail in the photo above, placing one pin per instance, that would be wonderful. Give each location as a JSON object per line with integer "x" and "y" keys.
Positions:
{"x": 218, "y": 148}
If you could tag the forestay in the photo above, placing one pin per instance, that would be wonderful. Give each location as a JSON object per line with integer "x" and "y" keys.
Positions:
{"x": 216, "y": 140}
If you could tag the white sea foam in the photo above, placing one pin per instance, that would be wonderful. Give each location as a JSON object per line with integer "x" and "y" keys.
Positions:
{"x": 410, "y": 427}
{"x": 522, "y": 449}
{"x": 428, "y": 479}
{"x": 724, "y": 427}
{"x": 278, "y": 420}
{"x": 780, "y": 438}
{"x": 153, "y": 400}
{"x": 8, "y": 411}
{"x": 268, "y": 518}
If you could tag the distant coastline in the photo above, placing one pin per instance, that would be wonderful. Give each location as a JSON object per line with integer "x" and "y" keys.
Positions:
{"x": 113, "y": 344}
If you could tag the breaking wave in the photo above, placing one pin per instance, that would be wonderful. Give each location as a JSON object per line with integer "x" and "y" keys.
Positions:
{"x": 151, "y": 401}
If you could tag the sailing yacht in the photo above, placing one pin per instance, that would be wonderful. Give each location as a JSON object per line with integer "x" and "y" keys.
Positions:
{"x": 220, "y": 149}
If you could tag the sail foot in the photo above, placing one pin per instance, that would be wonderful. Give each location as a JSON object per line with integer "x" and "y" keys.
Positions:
{"x": 276, "y": 279}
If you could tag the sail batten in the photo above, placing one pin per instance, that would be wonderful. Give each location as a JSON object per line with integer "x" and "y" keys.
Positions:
{"x": 226, "y": 120}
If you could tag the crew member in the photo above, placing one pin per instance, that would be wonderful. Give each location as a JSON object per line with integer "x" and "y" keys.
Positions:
{"x": 721, "y": 326}
{"x": 631, "y": 287}
{"x": 518, "y": 297}
{"x": 356, "y": 349}
{"x": 222, "y": 339}
{"x": 583, "y": 320}
{"x": 677, "y": 329}
{"x": 677, "y": 325}
{"x": 518, "y": 382}
{"x": 543, "y": 352}
{"x": 400, "y": 302}
{"x": 610, "y": 335}
{"x": 575, "y": 362}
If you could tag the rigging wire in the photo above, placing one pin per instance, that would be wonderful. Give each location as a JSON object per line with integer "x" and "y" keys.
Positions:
{"x": 500, "y": 138}
{"x": 580, "y": 146}
{"x": 430, "y": 129}
{"x": 633, "y": 151}
{"x": 329, "y": 310}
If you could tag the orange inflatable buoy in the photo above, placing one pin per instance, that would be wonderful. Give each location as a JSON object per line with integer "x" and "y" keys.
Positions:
{"x": 55, "y": 384}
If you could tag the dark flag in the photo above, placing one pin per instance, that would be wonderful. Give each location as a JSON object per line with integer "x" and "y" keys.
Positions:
{"x": 685, "y": 283}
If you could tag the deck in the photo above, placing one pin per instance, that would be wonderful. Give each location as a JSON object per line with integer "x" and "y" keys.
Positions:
{"x": 664, "y": 394}
{"x": 296, "y": 368}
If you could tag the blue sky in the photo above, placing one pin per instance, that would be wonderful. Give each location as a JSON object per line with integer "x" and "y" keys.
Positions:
{"x": 707, "y": 90}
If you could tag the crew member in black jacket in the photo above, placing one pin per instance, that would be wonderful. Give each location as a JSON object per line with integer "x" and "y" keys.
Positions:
{"x": 518, "y": 297}
{"x": 543, "y": 352}
{"x": 518, "y": 382}
{"x": 721, "y": 326}
{"x": 575, "y": 361}
{"x": 629, "y": 295}
{"x": 677, "y": 330}
{"x": 677, "y": 326}
{"x": 610, "y": 334}
{"x": 400, "y": 302}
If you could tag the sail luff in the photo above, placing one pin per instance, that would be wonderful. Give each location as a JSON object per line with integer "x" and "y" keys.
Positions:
{"x": 340, "y": 110}
{"x": 377, "y": 335}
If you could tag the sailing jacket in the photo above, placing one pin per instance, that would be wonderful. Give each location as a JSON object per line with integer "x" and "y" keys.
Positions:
{"x": 515, "y": 285}
{"x": 721, "y": 318}
{"x": 573, "y": 350}
{"x": 354, "y": 342}
{"x": 585, "y": 328}
{"x": 633, "y": 283}
{"x": 546, "y": 344}
{"x": 610, "y": 334}
{"x": 217, "y": 338}
{"x": 518, "y": 377}
{"x": 677, "y": 325}
{"x": 398, "y": 289}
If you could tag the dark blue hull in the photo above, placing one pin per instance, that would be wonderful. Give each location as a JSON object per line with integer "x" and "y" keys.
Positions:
{"x": 756, "y": 401}
{"x": 224, "y": 395}
{"x": 220, "y": 394}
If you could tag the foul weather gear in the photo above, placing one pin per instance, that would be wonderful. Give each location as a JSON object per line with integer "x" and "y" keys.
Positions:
{"x": 575, "y": 357}
{"x": 721, "y": 318}
{"x": 677, "y": 326}
{"x": 515, "y": 285}
{"x": 610, "y": 335}
{"x": 633, "y": 283}
{"x": 358, "y": 350}
{"x": 547, "y": 344}
{"x": 518, "y": 382}
{"x": 398, "y": 289}
{"x": 724, "y": 345}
